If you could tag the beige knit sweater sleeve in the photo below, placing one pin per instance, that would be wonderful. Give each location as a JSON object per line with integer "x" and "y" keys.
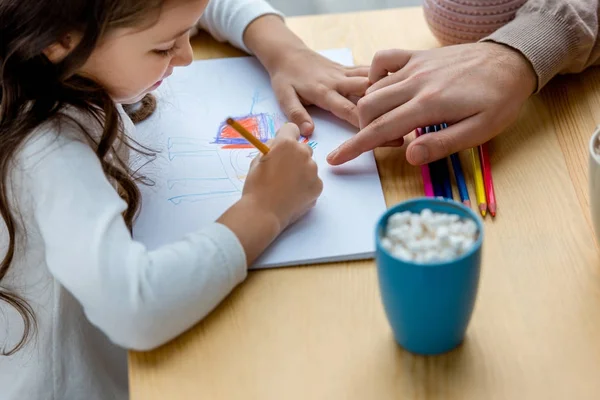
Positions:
{"x": 557, "y": 36}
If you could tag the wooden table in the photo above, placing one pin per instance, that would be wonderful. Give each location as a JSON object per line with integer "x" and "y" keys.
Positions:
{"x": 320, "y": 332}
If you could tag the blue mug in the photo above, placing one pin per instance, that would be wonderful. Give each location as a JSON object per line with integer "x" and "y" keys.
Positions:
{"x": 429, "y": 306}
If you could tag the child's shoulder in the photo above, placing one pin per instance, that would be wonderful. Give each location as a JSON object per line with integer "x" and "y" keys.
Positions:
{"x": 67, "y": 131}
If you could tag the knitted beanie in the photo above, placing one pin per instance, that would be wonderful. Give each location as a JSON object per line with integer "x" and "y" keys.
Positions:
{"x": 467, "y": 21}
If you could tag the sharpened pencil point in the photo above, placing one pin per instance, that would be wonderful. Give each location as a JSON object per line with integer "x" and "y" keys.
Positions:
{"x": 492, "y": 208}
{"x": 483, "y": 209}
{"x": 467, "y": 203}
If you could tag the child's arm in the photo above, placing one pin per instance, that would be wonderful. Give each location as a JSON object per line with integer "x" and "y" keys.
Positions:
{"x": 227, "y": 20}
{"x": 140, "y": 299}
{"x": 299, "y": 75}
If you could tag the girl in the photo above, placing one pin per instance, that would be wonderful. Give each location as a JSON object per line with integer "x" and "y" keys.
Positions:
{"x": 72, "y": 279}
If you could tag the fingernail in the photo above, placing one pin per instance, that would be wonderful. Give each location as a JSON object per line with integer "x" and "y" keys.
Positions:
{"x": 420, "y": 154}
{"x": 305, "y": 127}
{"x": 332, "y": 155}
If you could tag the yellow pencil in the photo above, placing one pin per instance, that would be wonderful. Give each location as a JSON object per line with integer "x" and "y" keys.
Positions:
{"x": 479, "y": 187}
{"x": 248, "y": 136}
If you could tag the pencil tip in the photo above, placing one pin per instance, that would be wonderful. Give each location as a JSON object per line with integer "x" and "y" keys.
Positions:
{"x": 493, "y": 209}
{"x": 467, "y": 203}
{"x": 230, "y": 121}
{"x": 483, "y": 209}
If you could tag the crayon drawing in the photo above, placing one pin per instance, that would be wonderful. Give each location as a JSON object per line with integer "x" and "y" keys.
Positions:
{"x": 261, "y": 126}
{"x": 191, "y": 190}
{"x": 210, "y": 178}
{"x": 220, "y": 166}
{"x": 188, "y": 147}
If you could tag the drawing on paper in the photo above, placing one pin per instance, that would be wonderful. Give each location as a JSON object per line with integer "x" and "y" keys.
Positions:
{"x": 221, "y": 165}
{"x": 210, "y": 178}
{"x": 199, "y": 189}
{"x": 188, "y": 147}
{"x": 261, "y": 126}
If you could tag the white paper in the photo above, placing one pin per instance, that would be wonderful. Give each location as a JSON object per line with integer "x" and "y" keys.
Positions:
{"x": 196, "y": 179}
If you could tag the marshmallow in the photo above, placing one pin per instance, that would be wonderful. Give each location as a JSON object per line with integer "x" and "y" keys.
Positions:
{"x": 399, "y": 219}
{"x": 428, "y": 237}
{"x": 387, "y": 244}
{"x": 401, "y": 253}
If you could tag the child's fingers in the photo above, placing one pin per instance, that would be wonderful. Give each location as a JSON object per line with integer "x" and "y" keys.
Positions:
{"x": 308, "y": 149}
{"x": 339, "y": 106}
{"x": 356, "y": 86}
{"x": 258, "y": 157}
{"x": 288, "y": 131}
{"x": 295, "y": 111}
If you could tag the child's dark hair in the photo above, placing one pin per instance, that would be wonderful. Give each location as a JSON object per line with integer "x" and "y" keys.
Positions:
{"x": 33, "y": 91}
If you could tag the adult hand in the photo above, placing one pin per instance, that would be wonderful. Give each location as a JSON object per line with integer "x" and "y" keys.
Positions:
{"x": 477, "y": 89}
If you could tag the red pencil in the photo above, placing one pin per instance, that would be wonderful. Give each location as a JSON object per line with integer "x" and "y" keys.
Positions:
{"x": 486, "y": 166}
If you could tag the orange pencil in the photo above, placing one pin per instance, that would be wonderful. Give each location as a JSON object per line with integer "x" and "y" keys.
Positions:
{"x": 248, "y": 136}
{"x": 486, "y": 166}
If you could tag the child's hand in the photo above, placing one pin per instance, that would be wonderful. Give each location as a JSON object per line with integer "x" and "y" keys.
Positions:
{"x": 303, "y": 77}
{"x": 281, "y": 186}
{"x": 284, "y": 182}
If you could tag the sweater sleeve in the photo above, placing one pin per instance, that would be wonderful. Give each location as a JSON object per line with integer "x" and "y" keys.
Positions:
{"x": 227, "y": 20}
{"x": 140, "y": 299}
{"x": 556, "y": 36}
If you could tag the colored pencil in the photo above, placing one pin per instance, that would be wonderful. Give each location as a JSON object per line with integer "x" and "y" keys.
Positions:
{"x": 486, "y": 167}
{"x": 425, "y": 174}
{"x": 248, "y": 136}
{"x": 479, "y": 188}
{"x": 436, "y": 176}
{"x": 444, "y": 172}
{"x": 460, "y": 176}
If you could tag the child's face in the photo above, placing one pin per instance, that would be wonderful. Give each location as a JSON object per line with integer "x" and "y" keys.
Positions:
{"x": 130, "y": 62}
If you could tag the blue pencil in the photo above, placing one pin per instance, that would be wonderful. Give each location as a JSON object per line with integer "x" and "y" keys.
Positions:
{"x": 460, "y": 177}
{"x": 444, "y": 172}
